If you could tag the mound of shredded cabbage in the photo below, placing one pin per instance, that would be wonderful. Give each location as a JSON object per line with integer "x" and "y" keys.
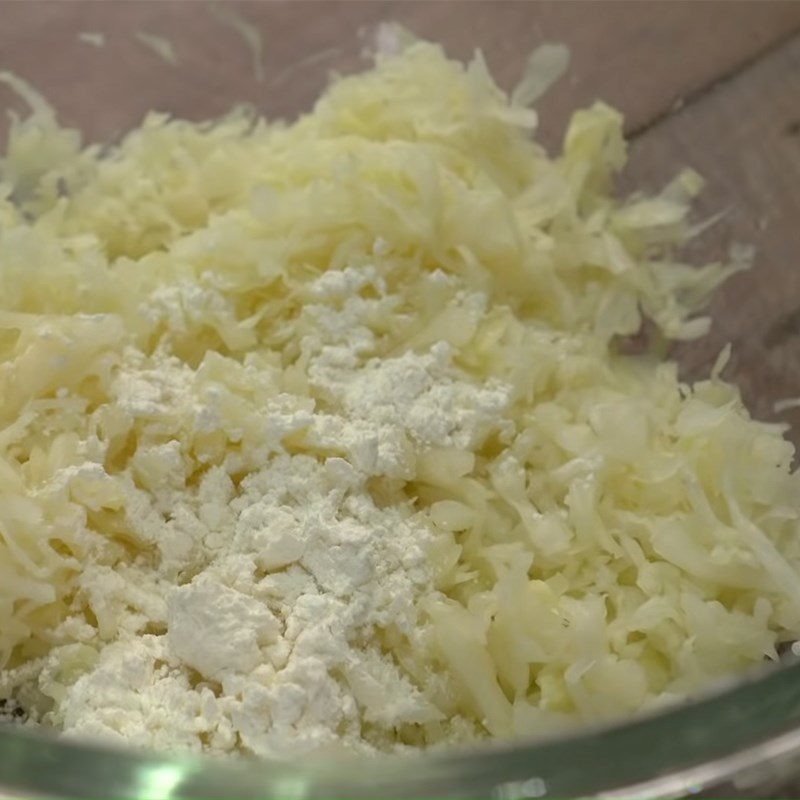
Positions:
{"x": 626, "y": 539}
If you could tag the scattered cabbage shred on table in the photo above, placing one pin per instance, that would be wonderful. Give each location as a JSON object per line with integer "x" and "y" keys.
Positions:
{"x": 615, "y": 539}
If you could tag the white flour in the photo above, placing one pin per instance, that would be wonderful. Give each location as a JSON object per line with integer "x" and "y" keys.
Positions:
{"x": 257, "y": 625}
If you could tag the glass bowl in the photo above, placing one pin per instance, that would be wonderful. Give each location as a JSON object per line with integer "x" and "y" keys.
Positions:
{"x": 656, "y": 63}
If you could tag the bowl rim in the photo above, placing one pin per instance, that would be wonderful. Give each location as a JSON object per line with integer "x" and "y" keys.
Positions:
{"x": 732, "y": 727}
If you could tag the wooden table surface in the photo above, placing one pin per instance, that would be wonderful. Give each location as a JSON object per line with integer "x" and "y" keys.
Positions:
{"x": 714, "y": 85}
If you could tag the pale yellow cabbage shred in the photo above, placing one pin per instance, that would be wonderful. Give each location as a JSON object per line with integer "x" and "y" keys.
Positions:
{"x": 631, "y": 539}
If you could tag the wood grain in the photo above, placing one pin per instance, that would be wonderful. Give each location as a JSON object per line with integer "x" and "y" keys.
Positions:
{"x": 744, "y": 137}
{"x": 642, "y": 57}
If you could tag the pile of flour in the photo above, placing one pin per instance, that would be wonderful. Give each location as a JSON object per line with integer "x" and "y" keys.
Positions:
{"x": 254, "y": 617}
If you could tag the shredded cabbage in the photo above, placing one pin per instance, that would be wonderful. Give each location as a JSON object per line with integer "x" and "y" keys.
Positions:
{"x": 248, "y": 32}
{"x": 94, "y": 38}
{"x": 545, "y": 65}
{"x": 622, "y": 540}
{"x": 160, "y": 45}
